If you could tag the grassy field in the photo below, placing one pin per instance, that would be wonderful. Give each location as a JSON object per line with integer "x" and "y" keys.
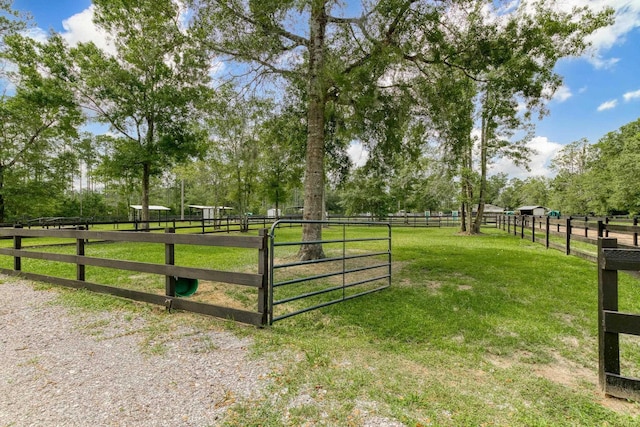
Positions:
{"x": 475, "y": 331}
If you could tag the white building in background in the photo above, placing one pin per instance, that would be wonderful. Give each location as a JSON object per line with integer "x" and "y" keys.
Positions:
{"x": 271, "y": 213}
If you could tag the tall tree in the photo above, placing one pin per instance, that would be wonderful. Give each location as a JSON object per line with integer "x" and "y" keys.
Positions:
{"x": 149, "y": 90}
{"x": 332, "y": 59}
{"x": 39, "y": 114}
{"x": 508, "y": 57}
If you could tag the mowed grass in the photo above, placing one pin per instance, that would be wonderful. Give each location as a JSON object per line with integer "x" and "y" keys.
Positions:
{"x": 488, "y": 330}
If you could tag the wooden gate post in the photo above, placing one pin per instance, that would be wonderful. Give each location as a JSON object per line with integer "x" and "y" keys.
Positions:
{"x": 608, "y": 342}
{"x": 263, "y": 269}
{"x": 80, "y": 268}
{"x": 170, "y": 259}
{"x": 17, "y": 245}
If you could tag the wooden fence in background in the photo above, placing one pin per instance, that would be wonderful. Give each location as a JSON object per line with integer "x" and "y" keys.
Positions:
{"x": 561, "y": 233}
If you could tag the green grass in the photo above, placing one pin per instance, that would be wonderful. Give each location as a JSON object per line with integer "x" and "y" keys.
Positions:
{"x": 488, "y": 330}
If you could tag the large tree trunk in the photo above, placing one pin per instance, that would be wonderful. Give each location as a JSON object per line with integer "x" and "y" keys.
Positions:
{"x": 314, "y": 174}
{"x": 2, "y": 209}
{"x": 466, "y": 220}
{"x": 146, "y": 174}
{"x": 484, "y": 140}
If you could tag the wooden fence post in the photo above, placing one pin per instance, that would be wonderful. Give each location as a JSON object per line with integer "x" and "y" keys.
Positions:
{"x": 522, "y": 221}
{"x": 80, "y": 268}
{"x": 17, "y": 244}
{"x": 546, "y": 238}
{"x": 586, "y": 226}
{"x": 170, "y": 259}
{"x": 635, "y": 233}
{"x": 600, "y": 228}
{"x": 533, "y": 229}
{"x": 508, "y": 224}
{"x": 608, "y": 342}
{"x": 263, "y": 268}
{"x": 568, "y": 236}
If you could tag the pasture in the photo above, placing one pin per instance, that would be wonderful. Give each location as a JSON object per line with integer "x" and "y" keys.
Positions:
{"x": 484, "y": 330}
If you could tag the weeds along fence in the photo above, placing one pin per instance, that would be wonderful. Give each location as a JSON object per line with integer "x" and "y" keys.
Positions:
{"x": 572, "y": 235}
{"x": 179, "y": 280}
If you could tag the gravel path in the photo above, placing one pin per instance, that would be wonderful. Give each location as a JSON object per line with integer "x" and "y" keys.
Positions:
{"x": 57, "y": 372}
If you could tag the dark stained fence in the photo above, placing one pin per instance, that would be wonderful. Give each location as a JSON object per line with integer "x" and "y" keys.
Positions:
{"x": 171, "y": 272}
{"x": 561, "y": 233}
{"x": 611, "y": 322}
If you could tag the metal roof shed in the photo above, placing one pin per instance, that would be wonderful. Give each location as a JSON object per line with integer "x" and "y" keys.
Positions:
{"x": 137, "y": 211}
{"x": 532, "y": 210}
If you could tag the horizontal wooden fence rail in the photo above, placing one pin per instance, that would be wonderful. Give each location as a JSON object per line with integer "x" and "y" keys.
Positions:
{"x": 611, "y": 322}
{"x": 171, "y": 272}
{"x": 561, "y": 233}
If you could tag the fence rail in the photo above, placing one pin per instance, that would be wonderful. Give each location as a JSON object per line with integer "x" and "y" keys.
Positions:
{"x": 561, "y": 233}
{"x": 171, "y": 271}
{"x": 611, "y": 322}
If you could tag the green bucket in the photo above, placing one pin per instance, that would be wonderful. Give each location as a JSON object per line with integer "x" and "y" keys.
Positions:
{"x": 186, "y": 287}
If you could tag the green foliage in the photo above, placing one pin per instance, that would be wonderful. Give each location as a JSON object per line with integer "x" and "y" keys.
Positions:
{"x": 149, "y": 91}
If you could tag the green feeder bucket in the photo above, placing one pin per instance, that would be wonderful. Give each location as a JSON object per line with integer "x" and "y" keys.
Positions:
{"x": 186, "y": 287}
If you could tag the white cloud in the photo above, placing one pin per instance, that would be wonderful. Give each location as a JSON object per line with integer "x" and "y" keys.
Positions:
{"x": 544, "y": 150}
{"x": 357, "y": 153}
{"x": 627, "y": 19}
{"x": 80, "y": 28}
{"x": 608, "y": 105}
{"x": 631, "y": 95}
{"x": 562, "y": 94}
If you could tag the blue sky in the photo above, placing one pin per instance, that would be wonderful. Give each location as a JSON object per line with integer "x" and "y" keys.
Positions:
{"x": 601, "y": 90}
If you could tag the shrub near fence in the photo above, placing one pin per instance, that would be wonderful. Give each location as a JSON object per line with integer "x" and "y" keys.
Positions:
{"x": 169, "y": 270}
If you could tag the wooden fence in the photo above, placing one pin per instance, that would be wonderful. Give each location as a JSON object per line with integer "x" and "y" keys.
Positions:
{"x": 611, "y": 322}
{"x": 560, "y": 233}
{"x": 229, "y": 224}
{"x": 171, "y": 271}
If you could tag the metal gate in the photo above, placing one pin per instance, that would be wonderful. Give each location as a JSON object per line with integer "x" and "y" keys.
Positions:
{"x": 357, "y": 263}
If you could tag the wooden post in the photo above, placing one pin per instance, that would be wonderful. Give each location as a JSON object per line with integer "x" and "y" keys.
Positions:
{"x": 170, "y": 259}
{"x": 17, "y": 245}
{"x": 608, "y": 342}
{"x": 568, "y": 236}
{"x": 546, "y": 237}
{"x": 263, "y": 268}
{"x": 522, "y": 221}
{"x": 509, "y": 225}
{"x": 635, "y": 233}
{"x": 80, "y": 268}
{"x": 606, "y": 230}
{"x": 586, "y": 226}
{"x": 533, "y": 229}
{"x": 600, "y": 228}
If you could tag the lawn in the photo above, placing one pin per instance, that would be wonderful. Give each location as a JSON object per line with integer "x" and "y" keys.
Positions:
{"x": 479, "y": 331}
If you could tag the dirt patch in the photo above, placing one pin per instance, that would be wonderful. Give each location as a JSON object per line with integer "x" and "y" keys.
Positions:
{"x": 565, "y": 372}
{"x": 621, "y": 406}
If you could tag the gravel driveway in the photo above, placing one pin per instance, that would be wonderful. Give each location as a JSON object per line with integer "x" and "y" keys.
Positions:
{"x": 55, "y": 371}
